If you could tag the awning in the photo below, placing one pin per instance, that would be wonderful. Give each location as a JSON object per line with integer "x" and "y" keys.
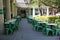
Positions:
{"x": 21, "y": 3}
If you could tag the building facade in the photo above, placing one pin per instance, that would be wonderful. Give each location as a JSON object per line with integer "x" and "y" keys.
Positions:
{"x": 8, "y": 9}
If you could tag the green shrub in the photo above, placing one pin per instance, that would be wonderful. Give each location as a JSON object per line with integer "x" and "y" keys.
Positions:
{"x": 57, "y": 20}
{"x": 52, "y": 19}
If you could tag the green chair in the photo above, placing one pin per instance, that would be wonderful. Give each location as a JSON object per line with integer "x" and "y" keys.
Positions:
{"x": 34, "y": 22}
{"x": 57, "y": 29}
{"x": 39, "y": 27}
{"x": 35, "y": 25}
{"x": 49, "y": 29}
{"x": 30, "y": 20}
{"x": 27, "y": 19}
{"x": 8, "y": 28}
{"x": 16, "y": 24}
{"x": 13, "y": 26}
{"x": 18, "y": 18}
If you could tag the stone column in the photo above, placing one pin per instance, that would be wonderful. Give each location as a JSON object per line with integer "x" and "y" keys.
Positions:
{"x": 1, "y": 17}
{"x": 39, "y": 12}
{"x": 14, "y": 9}
{"x": 33, "y": 12}
{"x": 30, "y": 11}
{"x": 47, "y": 11}
{"x": 53, "y": 12}
{"x": 42, "y": 11}
{"x": 8, "y": 10}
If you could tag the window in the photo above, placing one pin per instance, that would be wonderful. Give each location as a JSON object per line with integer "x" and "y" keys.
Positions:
{"x": 36, "y": 11}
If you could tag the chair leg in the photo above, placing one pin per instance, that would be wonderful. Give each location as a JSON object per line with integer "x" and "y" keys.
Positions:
{"x": 37, "y": 28}
{"x": 47, "y": 32}
{"x": 7, "y": 32}
{"x": 56, "y": 33}
{"x": 53, "y": 33}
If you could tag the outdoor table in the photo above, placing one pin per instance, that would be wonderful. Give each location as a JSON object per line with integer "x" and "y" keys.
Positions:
{"x": 51, "y": 25}
{"x": 38, "y": 20}
{"x": 42, "y": 23}
{"x": 58, "y": 14}
{"x": 30, "y": 17}
{"x": 18, "y": 17}
{"x": 10, "y": 21}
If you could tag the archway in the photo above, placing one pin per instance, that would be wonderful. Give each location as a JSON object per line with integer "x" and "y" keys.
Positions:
{"x": 23, "y": 12}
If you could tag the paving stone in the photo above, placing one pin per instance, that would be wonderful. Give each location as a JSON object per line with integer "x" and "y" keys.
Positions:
{"x": 26, "y": 32}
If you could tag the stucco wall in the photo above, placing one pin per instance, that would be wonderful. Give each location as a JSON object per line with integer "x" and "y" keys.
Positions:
{"x": 1, "y": 23}
{"x": 1, "y": 2}
{"x": 14, "y": 9}
{"x": 1, "y": 18}
{"x": 8, "y": 10}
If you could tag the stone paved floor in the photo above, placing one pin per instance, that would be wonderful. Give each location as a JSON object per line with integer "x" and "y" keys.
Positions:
{"x": 26, "y": 32}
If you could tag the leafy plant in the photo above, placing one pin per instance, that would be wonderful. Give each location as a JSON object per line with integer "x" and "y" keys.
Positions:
{"x": 52, "y": 19}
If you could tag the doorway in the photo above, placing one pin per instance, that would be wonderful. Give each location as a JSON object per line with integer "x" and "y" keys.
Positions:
{"x": 23, "y": 13}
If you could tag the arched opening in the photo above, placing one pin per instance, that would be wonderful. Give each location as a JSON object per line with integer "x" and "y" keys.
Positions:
{"x": 23, "y": 12}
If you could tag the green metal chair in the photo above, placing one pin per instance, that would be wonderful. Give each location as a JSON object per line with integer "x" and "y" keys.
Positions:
{"x": 18, "y": 18}
{"x": 57, "y": 29}
{"x": 39, "y": 27}
{"x": 8, "y": 28}
{"x": 13, "y": 26}
{"x": 16, "y": 24}
{"x": 35, "y": 25}
{"x": 49, "y": 29}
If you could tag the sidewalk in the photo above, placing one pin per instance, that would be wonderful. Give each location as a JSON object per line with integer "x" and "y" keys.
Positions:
{"x": 26, "y": 32}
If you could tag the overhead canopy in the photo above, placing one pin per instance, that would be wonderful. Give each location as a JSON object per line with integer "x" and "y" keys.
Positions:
{"x": 22, "y": 3}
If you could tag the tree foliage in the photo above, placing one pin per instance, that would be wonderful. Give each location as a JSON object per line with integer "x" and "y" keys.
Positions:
{"x": 58, "y": 4}
{"x": 52, "y": 3}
